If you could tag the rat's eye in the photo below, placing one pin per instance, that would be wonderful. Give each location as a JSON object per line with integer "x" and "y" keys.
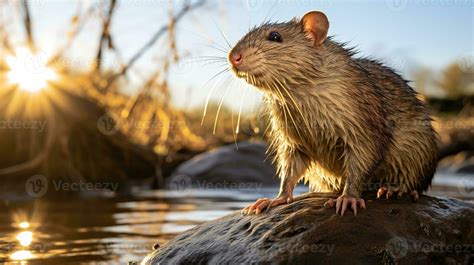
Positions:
{"x": 275, "y": 36}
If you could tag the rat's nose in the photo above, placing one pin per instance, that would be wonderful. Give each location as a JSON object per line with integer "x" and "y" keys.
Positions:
{"x": 236, "y": 59}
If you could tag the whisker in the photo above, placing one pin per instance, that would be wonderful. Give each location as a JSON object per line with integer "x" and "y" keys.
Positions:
{"x": 207, "y": 61}
{"x": 219, "y": 109}
{"x": 240, "y": 109}
{"x": 207, "y": 39}
{"x": 281, "y": 101}
{"x": 218, "y": 49}
{"x": 285, "y": 106}
{"x": 269, "y": 11}
{"x": 219, "y": 65}
{"x": 296, "y": 106}
{"x": 210, "y": 94}
{"x": 223, "y": 35}
{"x": 210, "y": 57}
{"x": 234, "y": 135}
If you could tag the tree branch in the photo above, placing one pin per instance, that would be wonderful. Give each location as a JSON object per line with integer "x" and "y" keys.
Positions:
{"x": 105, "y": 38}
{"x": 187, "y": 7}
{"x": 27, "y": 24}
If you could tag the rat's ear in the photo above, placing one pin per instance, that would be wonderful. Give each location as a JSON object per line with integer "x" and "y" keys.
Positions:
{"x": 315, "y": 26}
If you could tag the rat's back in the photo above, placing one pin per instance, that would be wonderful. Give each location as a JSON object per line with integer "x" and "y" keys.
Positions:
{"x": 410, "y": 159}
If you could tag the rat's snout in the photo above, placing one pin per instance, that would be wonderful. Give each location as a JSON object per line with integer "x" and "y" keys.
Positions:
{"x": 235, "y": 58}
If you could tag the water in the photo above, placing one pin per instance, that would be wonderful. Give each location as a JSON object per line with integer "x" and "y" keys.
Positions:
{"x": 115, "y": 230}
{"x": 106, "y": 229}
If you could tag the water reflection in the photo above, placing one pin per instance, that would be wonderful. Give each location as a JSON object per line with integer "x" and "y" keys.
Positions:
{"x": 105, "y": 230}
{"x": 22, "y": 255}
{"x": 25, "y": 238}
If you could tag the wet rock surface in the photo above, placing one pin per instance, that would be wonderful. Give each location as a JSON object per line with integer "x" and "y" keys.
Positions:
{"x": 432, "y": 231}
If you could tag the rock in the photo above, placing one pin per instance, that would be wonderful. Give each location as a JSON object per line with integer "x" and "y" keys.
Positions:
{"x": 226, "y": 166}
{"x": 432, "y": 231}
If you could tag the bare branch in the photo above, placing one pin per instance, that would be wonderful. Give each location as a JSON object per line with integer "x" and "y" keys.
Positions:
{"x": 105, "y": 38}
{"x": 77, "y": 24}
{"x": 187, "y": 7}
{"x": 27, "y": 24}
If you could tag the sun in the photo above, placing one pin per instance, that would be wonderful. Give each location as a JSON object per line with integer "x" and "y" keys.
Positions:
{"x": 29, "y": 70}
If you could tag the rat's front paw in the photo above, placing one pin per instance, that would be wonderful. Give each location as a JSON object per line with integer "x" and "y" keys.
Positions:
{"x": 343, "y": 201}
{"x": 265, "y": 203}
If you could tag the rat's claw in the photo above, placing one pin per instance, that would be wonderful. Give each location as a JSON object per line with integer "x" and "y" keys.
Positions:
{"x": 382, "y": 191}
{"x": 330, "y": 203}
{"x": 389, "y": 192}
{"x": 264, "y": 203}
{"x": 342, "y": 203}
{"x": 414, "y": 195}
{"x": 278, "y": 201}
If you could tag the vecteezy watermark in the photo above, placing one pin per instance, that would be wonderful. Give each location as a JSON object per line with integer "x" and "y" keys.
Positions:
{"x": 36, "y": 247}
{"x": 153, "y": 2}
{"x": 466, "y": 186}
{"x": 108, "y": 124}
{"x": 37, "y": 186}
{"x": 180, "y": 182}
{"x": 396, "y": 5}
{"x": 183, "y": 182}
{"x": 107, "y": 247}
{"x": 23, "y": 124}
{"x": 60, "y": 185}
{"x": 30, "y": 2}
{"x": 327, "y": 249}
{"x": 253, "y": 5}
{"x": 183, "y": 67}
{"x": 466, "y": 62}
{"x": 399, "y": 5}
{"x": 397, "y": 247}
{"x": 257, "y": 5}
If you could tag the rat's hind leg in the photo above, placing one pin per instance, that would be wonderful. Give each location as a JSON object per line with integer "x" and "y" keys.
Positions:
{"x": 390, "y": 191}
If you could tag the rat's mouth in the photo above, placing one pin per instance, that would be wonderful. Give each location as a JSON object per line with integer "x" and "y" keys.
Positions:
{"x": 249, "y": 77}
{"x": 239, "y": 73}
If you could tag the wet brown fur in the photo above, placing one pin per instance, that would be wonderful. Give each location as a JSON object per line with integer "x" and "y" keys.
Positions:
{"x": 337, "y": 122}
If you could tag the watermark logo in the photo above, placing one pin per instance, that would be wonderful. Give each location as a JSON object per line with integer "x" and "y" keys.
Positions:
{"x": 180, "y": 182}
{"x": 183, "y": 67}
{"x": 466, "y": 62}
{"x": 108, "y": 124}
{"x": 105, "y": 247}
{"x": 397, "y": 247}
{"x": 253, "y": 5}
{"x": 30, "y": 2}
{"x": 35, "y": 125}
{"x": 36, "y": 186}
{"x": 396, "y": 5}
{"x": 466, "y": 186}
{"x": 35, "y": 64}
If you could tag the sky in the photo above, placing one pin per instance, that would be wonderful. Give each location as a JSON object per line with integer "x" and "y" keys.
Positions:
{"x": 402, "y": 33}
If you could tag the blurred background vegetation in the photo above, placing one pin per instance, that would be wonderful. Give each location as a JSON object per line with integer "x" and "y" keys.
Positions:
{"x": 97, "y": 128}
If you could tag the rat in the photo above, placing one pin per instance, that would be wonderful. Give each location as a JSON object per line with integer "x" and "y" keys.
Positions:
{"x": 339, "y": 123}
